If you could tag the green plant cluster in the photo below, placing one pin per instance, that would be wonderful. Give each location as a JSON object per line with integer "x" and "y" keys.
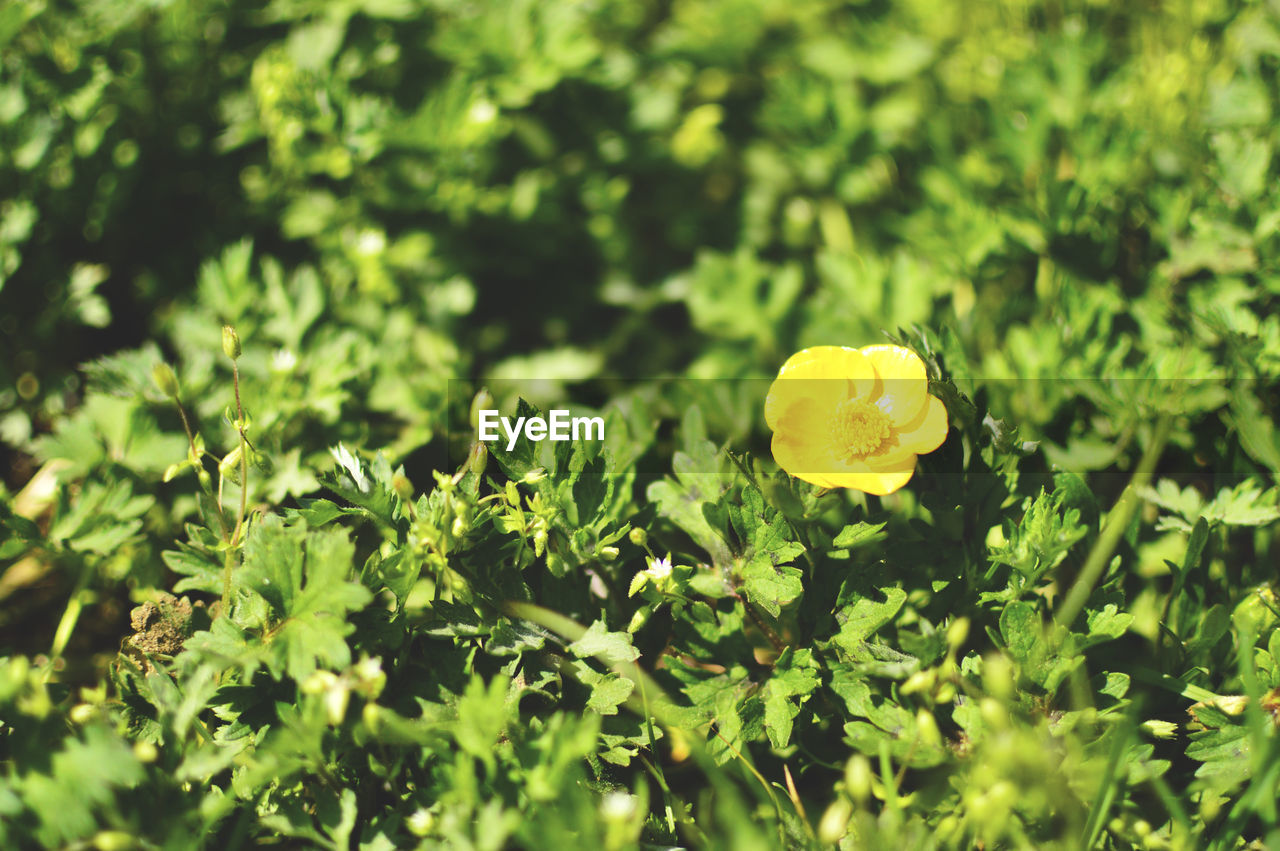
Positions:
{"x": 258, "y": 585}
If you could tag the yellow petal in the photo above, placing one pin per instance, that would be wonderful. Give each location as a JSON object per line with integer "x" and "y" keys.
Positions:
{"x": 802, "y": 443}
{"x": 813, "y": 458}
{"x": 928, "y": 430}
{"x": 903, "y": 384}
{"x": 827, "y": 374}
{"x": 801, "y": 459}
{"x": 807, "y": 421}
{"x": 879, "y": 484}
{"x": 785, "y": 394}
{"x": 830, "y": 362}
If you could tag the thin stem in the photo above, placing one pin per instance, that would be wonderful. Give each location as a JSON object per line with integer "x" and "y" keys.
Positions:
{"x": 1117, "y": 522}
{"x": 186, "y": 426}
{"x": 228, "y": 565}
{"x": 244, "y": 458}
{"x": 759, "y": 621}
{"x": 67, "y": 623}
{"x": 229, "y": 562}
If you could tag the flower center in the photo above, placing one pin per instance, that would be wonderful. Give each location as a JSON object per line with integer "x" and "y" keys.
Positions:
{"x": 860, "y": 429}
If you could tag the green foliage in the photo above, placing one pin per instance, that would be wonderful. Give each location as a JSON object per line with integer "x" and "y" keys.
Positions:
{"x": 261, "y": 586}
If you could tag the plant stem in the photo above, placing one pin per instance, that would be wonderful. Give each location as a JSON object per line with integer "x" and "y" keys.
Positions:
{"x": 67, "y": 623}
{"x": 761, "y": 624}
{"x": 244, "y": 458}
{"x": 186, "y": 426}
{"x": 230, "y": 562}
{"x": 1117, "y": 522}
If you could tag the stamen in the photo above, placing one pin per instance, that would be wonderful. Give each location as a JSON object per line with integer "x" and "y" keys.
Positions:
{"x": 860, "y": 429}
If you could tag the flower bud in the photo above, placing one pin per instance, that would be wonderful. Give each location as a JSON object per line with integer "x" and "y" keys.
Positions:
{"x": 335, "y": 703}
{"x": 370, "y": 677}
{"x": 478, "y": 459}
{"x": 230, "y": 342}
{"x": 998, "y": 675}
{"x": 145, "y": 751}
{"x": 82, "y": 713}
{"x": 680, "y": 749}
{"x": 639, "y": 619}
{"x": 319, "y": 682}
{"x": 608, "y": 553}
{"x": 421, "y": 822}
{"x": 113, "y": 840}
{"x": 403, "y": 487}
{"x": 162, "y": 374}
{"x": 857, "y": 777}
{"x": 483, "y": 401}
{"x": 371, "y": 716}
{"x": 994, "y": 713}
{"x": 920, "y": 681}
{"x": 228, "y": 467}
{"x": 927, "y": 728}
{"x": 638, "y": 536}
{"x": 835, "y": 821}
{"x": 957, "y": 633}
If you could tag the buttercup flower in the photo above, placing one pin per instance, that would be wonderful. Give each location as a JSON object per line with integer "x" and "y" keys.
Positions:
{"x": 853, "y": 418}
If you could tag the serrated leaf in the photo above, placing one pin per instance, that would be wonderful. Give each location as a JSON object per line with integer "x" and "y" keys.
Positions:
{"x": 612, "y": 648}
{"x": 859, "y": 534}
{"x": 305, "y": 577}
{"x": 608, "y": 690}
{"x": 861, "y": 620}
{"x": 794, "y": 679}
{"x": 771, "y": 586}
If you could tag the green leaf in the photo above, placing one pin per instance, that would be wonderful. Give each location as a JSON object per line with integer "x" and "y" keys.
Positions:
{"x": 368, "y": 487}
{"x": 795, "y": 676}
{"x": 699, "y": 481}
{"x": 608, "y": 690}
{"x": 861, "y": 620}
{"x": 80, "y": 786}
{"x": 305, "y": 577}
{"x": 612, "y": 648}
{"x": 1106, "y": 624}
{"x": 859, "y": 534}
{"x": 771, "y": 586}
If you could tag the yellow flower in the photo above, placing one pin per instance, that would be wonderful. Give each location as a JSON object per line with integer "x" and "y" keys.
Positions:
{"x": 853, "y": 418}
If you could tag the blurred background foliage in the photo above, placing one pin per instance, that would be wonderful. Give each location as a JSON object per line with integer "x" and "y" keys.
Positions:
{"x": 386, "y": 194}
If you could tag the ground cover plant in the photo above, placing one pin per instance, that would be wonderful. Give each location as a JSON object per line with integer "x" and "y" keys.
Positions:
{"x": 262, "y": 265}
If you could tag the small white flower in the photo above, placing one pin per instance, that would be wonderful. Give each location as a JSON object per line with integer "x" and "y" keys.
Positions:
{"x": 283, "y": 360}
{"x": 659, "y": 568}
{"x": 482, "y": 112}
{"x": 370, "y": 243}
{"x": 618, "y": 806}
{"x": 421, "y": 822}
